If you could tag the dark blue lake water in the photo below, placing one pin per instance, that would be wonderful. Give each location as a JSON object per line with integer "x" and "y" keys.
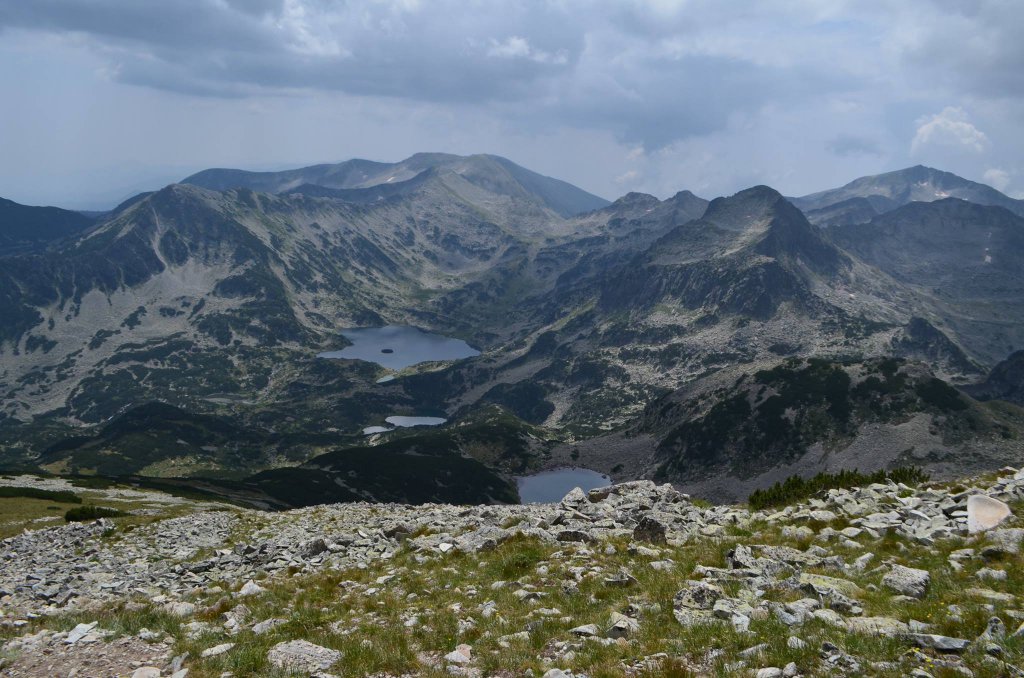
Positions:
{"x": 398, "y": 346}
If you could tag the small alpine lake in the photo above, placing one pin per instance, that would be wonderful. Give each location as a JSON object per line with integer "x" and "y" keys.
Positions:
{"x": 396, "y": 347}
{"x": 551, "y": 486}
{"x": 404, "y": 422}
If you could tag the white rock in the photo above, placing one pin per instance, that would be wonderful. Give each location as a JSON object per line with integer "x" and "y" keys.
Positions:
{"x": 984, "y": 513}
{"x": 217, "y": 650}
{"x": 463, "y": 654}
{"x": 267, "y": 625}
{"x": 251, "y": 588}
{"x": 146, "y": 672}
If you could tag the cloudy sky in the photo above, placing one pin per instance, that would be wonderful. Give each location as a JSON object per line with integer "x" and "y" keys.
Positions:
{"x": 103, "y": 98}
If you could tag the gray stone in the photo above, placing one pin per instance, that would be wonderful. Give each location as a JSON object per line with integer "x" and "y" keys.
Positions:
{"x": 830, "y": 617}
{"x": 574, "y": 535}
{"x": 907, "y": 580}
{"x": 463, "y": 654}
{"x": 697, "y": 595}
{"x": 741, "y": 557}
{"x": 819, "y": 583}
{"x": 936, "y": 642}
{"x": 586, "y": 631}
{"x": 79, "y": 632}
{"x": 650, "y": 530}
{"x": 994, "y": 630}
{"x": 302, "y": 655}
{"x": 622, "y": 626}
{"x": 251, "y": 588}
{"x": 879, "y": 626}
{"x": 987, "y": 573}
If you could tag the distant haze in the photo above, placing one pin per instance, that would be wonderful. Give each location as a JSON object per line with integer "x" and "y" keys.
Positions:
{"x": 106, "y": 98}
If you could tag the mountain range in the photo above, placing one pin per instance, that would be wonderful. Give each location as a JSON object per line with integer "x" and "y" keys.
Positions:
{"x": 702, "y": 342}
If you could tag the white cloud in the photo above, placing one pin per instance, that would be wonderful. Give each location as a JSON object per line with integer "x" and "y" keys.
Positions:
{"x": 997, "y": 178}
{"x": 950, "y": 129}
{"x": 516, "y": 47}
{"x": 627, "y": 177}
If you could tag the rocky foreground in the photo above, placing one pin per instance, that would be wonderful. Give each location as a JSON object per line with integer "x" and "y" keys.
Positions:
{"x": 633, "y": 579}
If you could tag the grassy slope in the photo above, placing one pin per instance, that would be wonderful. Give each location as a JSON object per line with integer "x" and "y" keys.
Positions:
{"x": 357, "y": 613}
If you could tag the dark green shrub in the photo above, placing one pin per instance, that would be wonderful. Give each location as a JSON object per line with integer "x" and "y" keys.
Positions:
{"x": 796, "y": 488}
{"x": 35, "y": 493}
{"x": 938, "y": 393}
{"x": 83, "y": 514}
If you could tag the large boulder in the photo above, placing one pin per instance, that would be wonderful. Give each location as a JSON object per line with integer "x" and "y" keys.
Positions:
{"x": 649, "y": 530}
{"x": 907, "y": 580}
{"x": 302, "y": 656}
{"x": 693, "y": 603}
{"x": 984, "y": 513}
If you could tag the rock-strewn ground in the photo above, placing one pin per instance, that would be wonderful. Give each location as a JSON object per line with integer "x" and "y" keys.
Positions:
{"x": 634, "y": 579}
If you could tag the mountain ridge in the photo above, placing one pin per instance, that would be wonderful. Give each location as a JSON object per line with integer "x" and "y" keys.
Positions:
{"x": 889, "y": 190}
{"x": 489, "y": 170}
{"x": 217, "y": 303}
{"x": 25, "y": 228}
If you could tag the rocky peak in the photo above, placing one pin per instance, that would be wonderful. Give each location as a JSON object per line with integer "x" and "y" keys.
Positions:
{"x": 918, "y": 183}
{"x": 745, "y": 210}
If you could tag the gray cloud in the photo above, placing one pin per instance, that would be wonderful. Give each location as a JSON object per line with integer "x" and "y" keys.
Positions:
{"x": 974, "y": 46}
{"x": 618, "y": 69}
{"x": 713, "y": 94}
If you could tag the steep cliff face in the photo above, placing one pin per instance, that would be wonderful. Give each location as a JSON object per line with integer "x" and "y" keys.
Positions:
{"x": 1004, "y": 382}
{"x": 962, "y": 259}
